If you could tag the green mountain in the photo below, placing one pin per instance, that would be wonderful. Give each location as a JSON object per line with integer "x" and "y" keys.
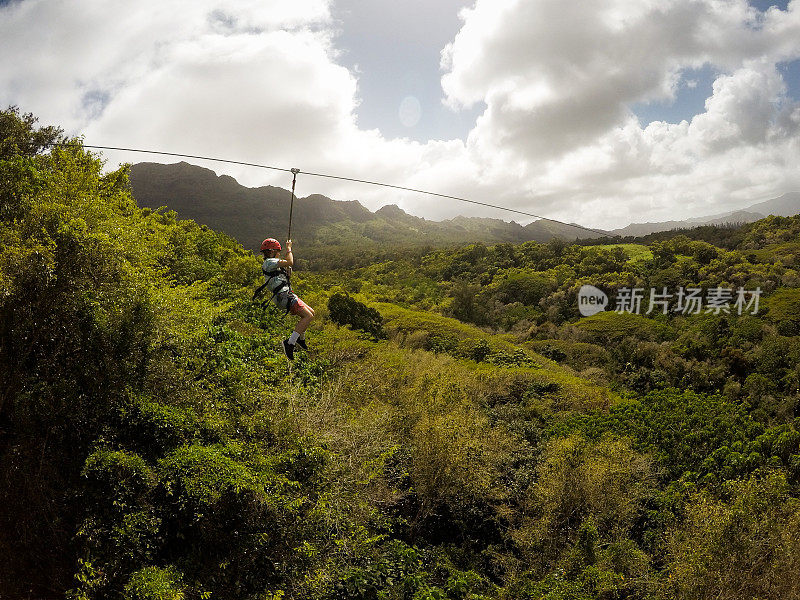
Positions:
{"x": 251, "y": 214}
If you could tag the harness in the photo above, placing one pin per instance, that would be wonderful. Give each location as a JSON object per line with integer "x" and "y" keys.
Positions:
{"x": 286, "y": 286}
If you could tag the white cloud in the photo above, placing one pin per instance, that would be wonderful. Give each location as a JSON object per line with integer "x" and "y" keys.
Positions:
{"x": 741, "y": 110}
{"x": 58, "y": 52}
{"x": 555, "y": 74}
{"x": 235, "y": 95}
{"x": 559, "y": 78}
{"x": 259, "y": 81}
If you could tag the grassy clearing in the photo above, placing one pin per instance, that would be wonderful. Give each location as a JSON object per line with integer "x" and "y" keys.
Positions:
{"x": 566, "y": 389}
{"x": 637, "y": 253}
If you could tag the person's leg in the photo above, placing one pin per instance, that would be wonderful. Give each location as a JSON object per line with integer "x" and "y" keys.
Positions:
{"x": 306, "y": 315}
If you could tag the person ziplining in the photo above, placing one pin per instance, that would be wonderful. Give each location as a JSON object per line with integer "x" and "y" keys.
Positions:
{"x": 278, "y": 282}
{"x": 277, "y": 274}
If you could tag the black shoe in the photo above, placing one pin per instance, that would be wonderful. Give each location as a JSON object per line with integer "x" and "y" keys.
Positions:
{"x": 302, "y": 343}
{"x": 288, "y": 349}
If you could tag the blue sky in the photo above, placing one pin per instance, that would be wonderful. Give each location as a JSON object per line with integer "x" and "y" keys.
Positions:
{"x": 396, "y": 51}
{"x": 694, "y": 88}
{"x": 603, "y": 112}
{"x": 763, "y": 5}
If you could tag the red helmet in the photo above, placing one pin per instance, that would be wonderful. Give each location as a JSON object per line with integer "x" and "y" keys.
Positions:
{"x": 270, "y": 244}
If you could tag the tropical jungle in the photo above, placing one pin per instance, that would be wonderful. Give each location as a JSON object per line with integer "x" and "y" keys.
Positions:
{"x": 457, "y": 430}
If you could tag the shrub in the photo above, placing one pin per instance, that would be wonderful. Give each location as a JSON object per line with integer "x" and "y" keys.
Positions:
{"x": 740, "y": 545}
{"x": 345, "y": 310}
{"x": 784, "y": 309}
{"x": 611, "y": 326}
{"x": 122, "y": 476}
{"x": 154, "y": 583}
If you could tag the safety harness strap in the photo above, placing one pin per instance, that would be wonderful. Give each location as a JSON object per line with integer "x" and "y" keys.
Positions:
{"x": 286, "y": 287}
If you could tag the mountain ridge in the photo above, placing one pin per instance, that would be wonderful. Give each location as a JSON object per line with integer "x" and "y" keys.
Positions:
{"x": 250, "y": 214}
{"x": 785, "y": 205}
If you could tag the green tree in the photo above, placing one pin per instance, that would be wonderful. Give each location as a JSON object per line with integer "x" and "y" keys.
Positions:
{"x": 743, "y": 544}
{"x": 345, "y": 310}
{"x": 577, "y": 479}
{"x": 19, "y": 136}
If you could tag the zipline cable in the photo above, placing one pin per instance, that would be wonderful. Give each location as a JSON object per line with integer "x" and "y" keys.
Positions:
{"x": 340, "y": 178}
{"x": 291, "y": 208}
{"x": 291, "y": 205}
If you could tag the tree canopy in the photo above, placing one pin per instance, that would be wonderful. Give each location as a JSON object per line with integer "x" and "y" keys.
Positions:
{"x": 458, "y": 431}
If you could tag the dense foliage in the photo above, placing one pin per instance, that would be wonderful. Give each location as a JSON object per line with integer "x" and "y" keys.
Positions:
{"x": 466, "y": 436}
{"x": 344, "y": 310}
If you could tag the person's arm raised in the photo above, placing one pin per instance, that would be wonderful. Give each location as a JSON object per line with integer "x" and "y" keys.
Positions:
{"x": 289, "y": 260}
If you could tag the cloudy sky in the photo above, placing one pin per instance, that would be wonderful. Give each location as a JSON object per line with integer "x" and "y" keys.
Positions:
{"x": 601, "y": 112}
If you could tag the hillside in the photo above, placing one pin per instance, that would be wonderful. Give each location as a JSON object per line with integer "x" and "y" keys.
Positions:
{"x": 247, "y": 214}
{"x": 786, "y": 205}
{"x": 471, "y": 438}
